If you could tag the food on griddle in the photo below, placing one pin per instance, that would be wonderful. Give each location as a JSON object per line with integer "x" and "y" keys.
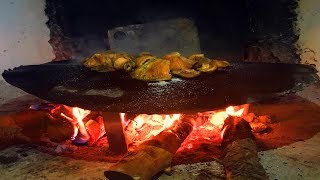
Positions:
{"x": 100, "y": 62}
{"x": 203, "y": 64}
{"x": 148, "y": 67}
{"x": 220, "y": 64}
{"x": 178, "y": 62}
{"x": 207, "y": 65}
{"x": 143, "y": 58}
{"x": 186, "y": 73}
{"x": 152, "y": 69}
{"x": 110, "y": 61}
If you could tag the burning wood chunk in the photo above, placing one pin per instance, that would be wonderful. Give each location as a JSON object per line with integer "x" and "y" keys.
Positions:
{"x": 84, "y": 126}
{"x": 260, "y": 124}
{"x": 144, "y": 126}
{"x": 258, "y": 127}
{"x": 95, "y": 129}
{"x": 240, "y": 156}
{"x": 153, "y": 155}
{"x": 263, "y": 119}
{"x": 58, "y": 130}
{"x": 249, "y": 117}
{"x": 21, "y": 127}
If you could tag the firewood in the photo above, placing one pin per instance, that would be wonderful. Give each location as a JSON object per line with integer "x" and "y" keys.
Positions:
{"x": 21, "y": 127}
{"x": 240, "y": 156}
{"x": 95, "y": 129}
{"x": 153, "y": 155}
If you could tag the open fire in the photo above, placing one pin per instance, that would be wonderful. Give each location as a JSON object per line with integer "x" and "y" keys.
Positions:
{"x": 141, "y": 127}
{"x": 152, "y": 141}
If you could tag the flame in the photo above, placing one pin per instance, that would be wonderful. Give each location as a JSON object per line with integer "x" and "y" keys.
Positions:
{"x": 218, "y": 118}
{"x": 79, "y": 128}
{"x": 79, "y": 113}
{"x": 232, "y": 112}
{"x": 144, "y": 126}
{"x": 167, "y": 122}
{"x": 223, "y": 131}
{"x": 123, "y": 119}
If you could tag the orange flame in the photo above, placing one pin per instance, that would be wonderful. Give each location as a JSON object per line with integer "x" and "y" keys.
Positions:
{"x": 144, "y": 126}
{"x": 77, "y": 123}
{"x": 79, "y": 113}
{"x": 218, "y": 118}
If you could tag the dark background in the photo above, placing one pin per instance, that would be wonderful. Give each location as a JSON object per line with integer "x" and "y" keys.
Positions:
{"x": 227, "y": 29}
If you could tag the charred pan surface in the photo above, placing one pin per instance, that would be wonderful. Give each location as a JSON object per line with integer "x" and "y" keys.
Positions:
{"x": 69, "y": 83}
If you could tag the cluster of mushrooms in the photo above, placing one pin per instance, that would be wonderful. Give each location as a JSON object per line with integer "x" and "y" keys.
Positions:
{"x": 148, "y": 67}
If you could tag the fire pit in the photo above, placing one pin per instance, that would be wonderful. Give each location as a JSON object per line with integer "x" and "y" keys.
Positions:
{"x": 155, "y": 139}
{"x": 214, "y": 126}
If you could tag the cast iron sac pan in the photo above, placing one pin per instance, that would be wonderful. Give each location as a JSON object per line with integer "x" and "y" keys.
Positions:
{"x": 70, "y": 83}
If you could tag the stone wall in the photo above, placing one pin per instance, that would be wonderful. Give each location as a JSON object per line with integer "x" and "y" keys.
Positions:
{"x": 272, "y": 34}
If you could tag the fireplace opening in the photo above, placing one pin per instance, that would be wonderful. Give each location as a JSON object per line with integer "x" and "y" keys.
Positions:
{"x": 243, "y": 30}
{"x": 246, "y": 120}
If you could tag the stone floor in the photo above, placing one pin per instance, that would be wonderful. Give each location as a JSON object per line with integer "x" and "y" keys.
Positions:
{"x": 299, "y": 160}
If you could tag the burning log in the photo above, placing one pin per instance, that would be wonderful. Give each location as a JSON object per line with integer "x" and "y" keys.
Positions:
{"x": 153, "y": 155}
{"x": 240, "y": 156}
{"x": 95, "y": 129}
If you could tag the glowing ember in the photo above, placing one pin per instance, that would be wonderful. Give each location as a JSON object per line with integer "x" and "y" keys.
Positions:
{"x": 143, "y": 126}
{"x": 231, "y": 111}
{"x": 217, "y": 118}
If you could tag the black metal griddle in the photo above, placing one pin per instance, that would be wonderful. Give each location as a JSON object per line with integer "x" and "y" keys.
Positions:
{"x": 70, "y": 83}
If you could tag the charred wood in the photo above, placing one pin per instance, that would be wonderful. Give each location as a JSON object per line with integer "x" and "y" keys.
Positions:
{"x": 153, "y": 155}
{"x": 21, "y": 127}
{"x": 240, "y": 156}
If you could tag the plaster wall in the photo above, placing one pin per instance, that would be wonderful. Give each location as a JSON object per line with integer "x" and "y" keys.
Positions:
{"x": 308, "y": 29}
{"x": 24, "y": 37}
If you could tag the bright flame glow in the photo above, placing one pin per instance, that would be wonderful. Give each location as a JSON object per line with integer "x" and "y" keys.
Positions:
{"x": 79, "y": 113}
{"x": 167, "y": 122}
{"x": 223, "y": 131}
{"x": 218, "y": 118}
{"x": 123, "y": 119}
{"x": 231, "y": 111}
{"x": 143, "y": 126}
{"x": 77, "y": 123}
